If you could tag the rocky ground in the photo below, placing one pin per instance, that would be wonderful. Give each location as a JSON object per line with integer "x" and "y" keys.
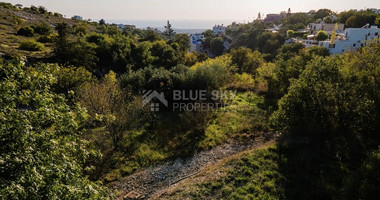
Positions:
{"x": 148, "y": 182}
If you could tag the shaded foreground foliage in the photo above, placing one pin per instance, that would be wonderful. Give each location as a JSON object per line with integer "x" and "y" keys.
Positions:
{"x": 333, "y": 111}
{"x": 41, "y": 153}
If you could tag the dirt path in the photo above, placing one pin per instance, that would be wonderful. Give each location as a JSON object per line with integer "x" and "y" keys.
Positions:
{"x": 153, "y": 181}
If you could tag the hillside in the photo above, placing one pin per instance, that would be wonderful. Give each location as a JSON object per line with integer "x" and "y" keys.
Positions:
{"x": 96, "y": 111}
{"x": 12, "y": 19}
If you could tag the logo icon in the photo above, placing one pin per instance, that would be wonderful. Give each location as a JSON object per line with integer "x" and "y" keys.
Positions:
{"x": 153, "y": 94}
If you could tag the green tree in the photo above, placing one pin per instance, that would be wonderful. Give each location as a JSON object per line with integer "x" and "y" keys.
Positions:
{"x": 165, "y": 55}
{"x": 184, "y": 42}
{"x": 333, "y": 34}
{"x": 321, "y": 36}
{"x": 41, "y": 153}
{"x": 377, "y": 21}
{"x": 317, "y": 51}
{"x": 151, "y": 36}
{"x": 169, "y": 32}
{"x": 246, "y": 60}
{"x": 217, "y": 46}
{"x": 269, "y": 43}
{"x": 81, "y": 30}
{"x": 359, "y": 19}
{"x": 334, "y": 103}
{"x": 322, "y": 13}
{"x": 328, "y": 19}
{"x": 288, "y": 51}
{"x": 43, "y": 29}
{"x": 63, "y": 30}
{"x": 102, "y": 22}
{"x": 289, "y": 33}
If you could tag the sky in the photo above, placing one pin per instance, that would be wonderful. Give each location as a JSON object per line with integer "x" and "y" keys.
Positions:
{"x": 187, "y": 10}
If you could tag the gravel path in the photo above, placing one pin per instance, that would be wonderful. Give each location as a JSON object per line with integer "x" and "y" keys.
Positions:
{"x": 151, "y": 180}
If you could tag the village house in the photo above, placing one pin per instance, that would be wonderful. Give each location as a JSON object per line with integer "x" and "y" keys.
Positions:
{"x": 77, "y": 17}
{"x": 352, "y": 39}
{"x": 272, "y": 18}
{"x": 219, "y": 30}
{"x": 196, "y": 42}
{"x": 123, "y": 26}
{"x": 327, "y": 27}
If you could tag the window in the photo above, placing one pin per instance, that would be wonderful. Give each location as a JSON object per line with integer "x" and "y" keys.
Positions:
{"x": 354, "y": 45}
{"x": 376, "y": 34}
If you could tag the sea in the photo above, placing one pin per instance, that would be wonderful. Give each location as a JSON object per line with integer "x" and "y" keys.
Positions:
{"x": 179, "y": 26}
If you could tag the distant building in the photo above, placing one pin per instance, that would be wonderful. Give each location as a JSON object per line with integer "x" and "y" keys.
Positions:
{"x": 328, "y": 28}
{"x": 375, "y": 10}
{"x": 274, "y": 29}
{"x": 219, "y": 30}
{"x": 272, "y": 18}
{"x": 196, "y": 42}
{"x": 77, "y": 17}
{"x": 123, "y": 26}
{"x": 352, "y": 39}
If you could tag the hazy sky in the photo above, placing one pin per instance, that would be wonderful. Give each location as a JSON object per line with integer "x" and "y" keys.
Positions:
{"x": 188, "y": 9}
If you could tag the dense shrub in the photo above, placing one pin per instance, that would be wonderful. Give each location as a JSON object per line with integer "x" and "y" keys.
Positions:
{"x": 43, "y": 29}
{"x": 45, "y": 39}
{"x": 246, "y": 60}
{"x": 321, "y": 35}
{"x": 31, "y": 45}
{"x": 71, "y": 78}
{"x": 26, "y": 31}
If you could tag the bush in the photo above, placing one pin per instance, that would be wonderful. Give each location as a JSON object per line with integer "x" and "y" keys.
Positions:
{"x": 321, "y": 35}
{"x": 246, "y": 60}
{"x": 71, "y": 78}
{"x": 210, "y": 74}
{"x": 31, "y": 45}
{"x": 43, "y": 29}
{"x": 242, "y": 82}
{"x": 289, "y": 33}
{"x": 45, "y": 39}
{"x": 26, "y": 31}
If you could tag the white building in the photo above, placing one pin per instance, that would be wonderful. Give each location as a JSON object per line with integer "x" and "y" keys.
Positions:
{"x": 352, "y": 40}
{"x": 196, "y": 42}
{"x": 375, "y": 10}
{"x": 328, "y": 28}
{"x": 219, "y": 29}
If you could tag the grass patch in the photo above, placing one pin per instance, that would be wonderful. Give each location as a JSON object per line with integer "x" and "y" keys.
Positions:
{"x": 241, "y": 118}
{"x": 255, "y": 175}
